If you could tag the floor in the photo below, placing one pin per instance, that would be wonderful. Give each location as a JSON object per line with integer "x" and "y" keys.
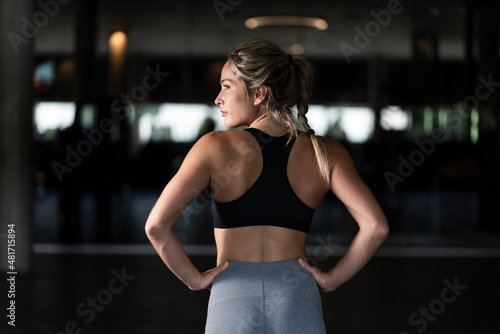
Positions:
{"x": 99, "y": 291}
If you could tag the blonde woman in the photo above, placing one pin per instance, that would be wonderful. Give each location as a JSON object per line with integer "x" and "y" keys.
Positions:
{"x": 266, "y": 183}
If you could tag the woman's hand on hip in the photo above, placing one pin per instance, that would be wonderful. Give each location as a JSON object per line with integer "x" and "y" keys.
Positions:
{"x": 206, "y": 278}
{"x": 321, "y": 278}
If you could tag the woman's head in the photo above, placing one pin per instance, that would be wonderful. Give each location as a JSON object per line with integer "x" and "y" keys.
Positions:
{"x": 281, "y": 81}
{"x": 237, "y": 105}
{"x": 288, "y": 79}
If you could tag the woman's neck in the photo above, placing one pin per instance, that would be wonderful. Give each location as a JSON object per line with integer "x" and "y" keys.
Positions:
{"x": 269, "y": 125}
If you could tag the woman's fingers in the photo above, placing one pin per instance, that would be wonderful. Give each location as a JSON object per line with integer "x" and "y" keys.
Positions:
{"x": 209, "y": 276}
{"x": 317, "y": 274}
{"x": 320, "y": 277}
{"x": 304, "y": 264}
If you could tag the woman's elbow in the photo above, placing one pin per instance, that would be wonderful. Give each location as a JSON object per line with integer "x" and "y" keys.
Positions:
{"x": 151, "y": 229}
{"x": 154, "y": 229}
{"x": 377, "y": 229}
{"x": 382, "y": 230}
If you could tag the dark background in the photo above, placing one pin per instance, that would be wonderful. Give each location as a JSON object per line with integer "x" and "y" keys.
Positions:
{"x": 436, "y": 60}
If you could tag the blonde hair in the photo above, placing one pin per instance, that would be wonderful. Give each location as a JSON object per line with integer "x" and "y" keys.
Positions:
{"x": 289, "y": 81}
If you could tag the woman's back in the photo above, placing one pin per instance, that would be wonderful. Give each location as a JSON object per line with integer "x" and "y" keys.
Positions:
{"x": 236, "y": 166}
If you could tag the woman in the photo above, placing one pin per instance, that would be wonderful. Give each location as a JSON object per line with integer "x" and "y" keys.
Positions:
{"x": 266, "y": 181}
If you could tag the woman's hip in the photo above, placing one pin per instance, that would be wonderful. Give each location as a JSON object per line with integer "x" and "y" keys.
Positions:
{"x": 281, "y": 297}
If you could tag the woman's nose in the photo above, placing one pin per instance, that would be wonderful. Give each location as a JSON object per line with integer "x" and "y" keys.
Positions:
{"x": 218, "y": 100}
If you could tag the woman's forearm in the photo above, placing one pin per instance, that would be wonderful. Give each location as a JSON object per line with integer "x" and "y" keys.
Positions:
{"x": 170, "y": 249}
{"x": 363, "y": 247}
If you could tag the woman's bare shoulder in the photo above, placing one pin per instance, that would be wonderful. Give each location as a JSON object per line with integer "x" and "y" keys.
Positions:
{"x": 336, "y": 151}
{"x": 222, "y": 142}
{"x": 223, "y": 137}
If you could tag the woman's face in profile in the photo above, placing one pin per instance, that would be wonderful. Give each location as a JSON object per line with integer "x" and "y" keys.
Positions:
{"x": 235, "y": 102}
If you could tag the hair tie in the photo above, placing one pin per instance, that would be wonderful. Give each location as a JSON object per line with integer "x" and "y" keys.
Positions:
{"x": 290, "y": 60}
{"x": 310, "y": 132}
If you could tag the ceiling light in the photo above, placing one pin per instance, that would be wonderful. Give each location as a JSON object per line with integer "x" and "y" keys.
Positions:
{"x": 296, "y": 49}
{"x": 302, "y": 21}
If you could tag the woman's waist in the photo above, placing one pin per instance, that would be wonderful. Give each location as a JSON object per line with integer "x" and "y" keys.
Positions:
{"x": 279, "y": 279}
{"x": 257, "y": 259}
{"x": 258, "y": 253}
{"x": 259, "y": 244}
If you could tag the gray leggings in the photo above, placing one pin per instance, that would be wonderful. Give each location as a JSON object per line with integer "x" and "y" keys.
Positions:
{"x": 268, "y": 297}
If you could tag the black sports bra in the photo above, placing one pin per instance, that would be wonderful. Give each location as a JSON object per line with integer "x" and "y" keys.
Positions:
{"x": 271, "y": 199}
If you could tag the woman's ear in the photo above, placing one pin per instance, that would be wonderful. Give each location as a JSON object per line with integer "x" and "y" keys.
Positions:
{"x": 260, "y": 95}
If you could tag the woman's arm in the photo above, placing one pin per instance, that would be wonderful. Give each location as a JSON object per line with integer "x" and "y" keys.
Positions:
{"x": 192, "y": 177}
{"x": 347, "y": 185}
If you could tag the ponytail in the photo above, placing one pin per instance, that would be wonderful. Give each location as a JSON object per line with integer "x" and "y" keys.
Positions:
{"x": 320, "y": 151}
{"x": 289, "y": 80}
